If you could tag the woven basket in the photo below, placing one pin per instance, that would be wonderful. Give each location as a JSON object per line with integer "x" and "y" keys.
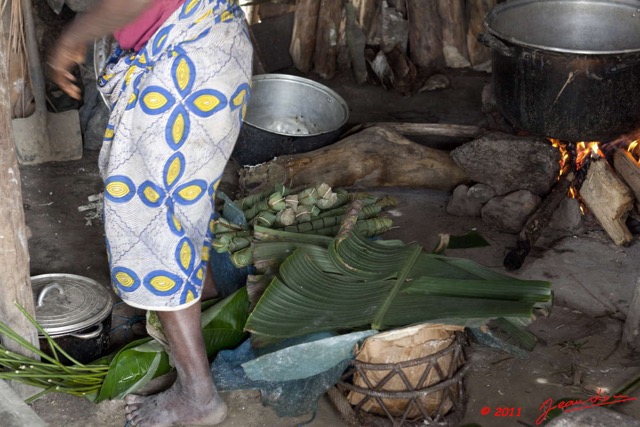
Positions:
{"x": 427, "y": 390}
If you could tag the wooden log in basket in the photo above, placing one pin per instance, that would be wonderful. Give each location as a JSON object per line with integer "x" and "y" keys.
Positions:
{"x": 609, "y": 199}
{"x": 374, "y": 157}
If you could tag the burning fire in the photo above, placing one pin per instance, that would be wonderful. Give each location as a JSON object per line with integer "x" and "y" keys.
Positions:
{"x": 584, "y": 150}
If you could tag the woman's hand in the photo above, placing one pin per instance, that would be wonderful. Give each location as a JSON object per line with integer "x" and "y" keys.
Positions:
{"x": 70, "y": 49}
{"x": 66, "y": 54}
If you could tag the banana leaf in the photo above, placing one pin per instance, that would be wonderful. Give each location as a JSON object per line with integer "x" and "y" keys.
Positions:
{"x": 132, "y": 367}
{"x": 143, "y": 360}
{"x": 357, "y": 283}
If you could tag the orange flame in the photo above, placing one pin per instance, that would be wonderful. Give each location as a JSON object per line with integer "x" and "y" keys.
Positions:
{"x": 564, "y": 154}
{"x": 585, "y": 150}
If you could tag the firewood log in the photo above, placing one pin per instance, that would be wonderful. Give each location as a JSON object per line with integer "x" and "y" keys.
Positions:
{"x": 536, "y": 223}
{"x": 609, "y": 199}
{"x": 303, "y": 37}
{"x": 425, "y": 34}
{"x": 356, "y": 42}
{"x": 327, "y": 31}
{"x": 454, "y": 33}
{"x": 369, "y": 17}
{"x": 430, "y": 129}
{"x": 479, "y": 55}
{"x": 374, "y": 157}
{"x": 629, "y": 170}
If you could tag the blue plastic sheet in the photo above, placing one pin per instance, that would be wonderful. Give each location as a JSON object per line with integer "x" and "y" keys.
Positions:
{"x": 288, "y": 398}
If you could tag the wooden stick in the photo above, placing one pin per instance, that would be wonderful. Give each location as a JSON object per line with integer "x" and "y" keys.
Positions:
{"x": 430, "y": 129}
{"x": 631, "y": 330}
{"x": 609, "y": 199}
{"x": 536, "y": 223}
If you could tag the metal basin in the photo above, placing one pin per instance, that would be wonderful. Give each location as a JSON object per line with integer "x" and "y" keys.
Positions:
{"x": 288, "y": 115}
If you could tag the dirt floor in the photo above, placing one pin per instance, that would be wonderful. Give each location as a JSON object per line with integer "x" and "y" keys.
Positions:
{"x": 592, "y": 278}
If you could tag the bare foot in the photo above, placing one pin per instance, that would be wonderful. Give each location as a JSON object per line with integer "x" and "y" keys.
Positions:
{"x": 173, "y": 407}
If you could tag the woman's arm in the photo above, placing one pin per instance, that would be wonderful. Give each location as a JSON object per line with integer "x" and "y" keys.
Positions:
{"x": 70, "y": 49}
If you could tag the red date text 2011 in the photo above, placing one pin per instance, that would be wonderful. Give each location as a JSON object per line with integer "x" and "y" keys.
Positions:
{"x": 507, "y": 412}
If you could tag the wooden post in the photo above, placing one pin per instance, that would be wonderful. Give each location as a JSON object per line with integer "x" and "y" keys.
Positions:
{"x": 454, "y": 33}
{"x": 479, "y": 55}
{"x": 425, "y": 34}
{"x": 303, "y": 37}
{"x": 15, "y": 283}
{"x": 326, "y": 53}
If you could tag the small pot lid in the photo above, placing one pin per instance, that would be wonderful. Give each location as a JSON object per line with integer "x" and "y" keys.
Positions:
{"x": 66, "y": 303}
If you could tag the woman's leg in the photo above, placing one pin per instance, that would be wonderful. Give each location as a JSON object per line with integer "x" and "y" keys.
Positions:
{"x": 193, "y": 398}
{"x": 209, "y": 290}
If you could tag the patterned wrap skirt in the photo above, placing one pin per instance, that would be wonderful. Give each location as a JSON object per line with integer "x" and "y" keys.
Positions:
{"x": 176, "y": 110}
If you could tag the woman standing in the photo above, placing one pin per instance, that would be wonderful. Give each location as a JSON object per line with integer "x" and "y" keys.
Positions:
{"x": 177, "y": 88}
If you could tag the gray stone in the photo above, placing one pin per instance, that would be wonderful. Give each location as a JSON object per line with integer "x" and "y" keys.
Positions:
{"x": 461, "y": 205}
{"x": 509, "y": 213}
{"x": 508, "y": 163}
{"x": 481, "y": 193}
{"x": 568, "y": 216}
{"x": 593, "y": 417}
{"x": 14, "y": 412}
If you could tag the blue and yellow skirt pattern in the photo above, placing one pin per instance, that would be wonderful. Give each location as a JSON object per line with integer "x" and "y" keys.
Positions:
{"x": 176, "y": 111}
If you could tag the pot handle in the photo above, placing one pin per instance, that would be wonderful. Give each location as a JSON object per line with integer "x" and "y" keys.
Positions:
{"x": 43, "y": 293}
{"x": 91, "y": 334}
{"x": 495, "y": 44}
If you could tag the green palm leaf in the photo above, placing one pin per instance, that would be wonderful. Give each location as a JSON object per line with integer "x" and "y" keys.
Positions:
{"x": 356, "y": 282}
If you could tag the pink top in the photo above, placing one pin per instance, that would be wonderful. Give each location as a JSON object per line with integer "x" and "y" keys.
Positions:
{"x": 135, "y": 34}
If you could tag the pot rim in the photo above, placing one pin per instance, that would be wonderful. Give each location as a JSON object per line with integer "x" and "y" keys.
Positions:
{"x": 308, "y": 82}
{"x": 510, "y": 4}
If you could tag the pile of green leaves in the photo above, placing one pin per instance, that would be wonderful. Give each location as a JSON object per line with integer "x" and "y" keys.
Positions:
{"x": 351, "y": 282}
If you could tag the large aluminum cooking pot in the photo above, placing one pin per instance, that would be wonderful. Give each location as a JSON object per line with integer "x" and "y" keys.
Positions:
{"x": 568, "y": 69}
{"x": 288, "y": 115}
